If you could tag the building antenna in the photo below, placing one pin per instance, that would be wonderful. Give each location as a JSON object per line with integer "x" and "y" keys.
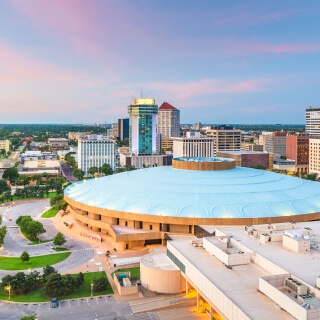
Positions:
{"x": 141, "y": 93}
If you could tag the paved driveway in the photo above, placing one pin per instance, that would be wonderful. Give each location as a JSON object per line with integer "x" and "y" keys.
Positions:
{"x": 102, "y": 308}
{"x": 16, "y": 243}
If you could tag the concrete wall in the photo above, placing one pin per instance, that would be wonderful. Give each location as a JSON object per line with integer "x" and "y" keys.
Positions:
{"x": 124, "y": 290}
{"x": 295, "y": 245}
{"x": 162, "y": 281}
{"x": 285, "y": 302}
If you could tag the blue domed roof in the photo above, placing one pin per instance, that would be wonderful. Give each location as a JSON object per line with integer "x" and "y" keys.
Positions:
{"x": 166, "y": 191}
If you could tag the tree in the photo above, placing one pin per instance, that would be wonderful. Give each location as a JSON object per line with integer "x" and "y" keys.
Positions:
{"x": 59, "y": 239}
{"x": 100, "y": 284}
{"x": 10, "y": 174}
{"x": 35, "y": 228}
{"x": 3, "y": 232}
{"x": 25, "y": 257}
{"x": 54, "y": 285}
{"x": 56, "y": 199}
{"x": 30, "y": 317}
{"x": 47, "y": 270}
{"x": 4, "y": 186}
{"x": 78, "y": 173}
{"x": 37, "y": 178}
{"x": 126, "y": 142}
{"x": 106, "y": 169}
{"x": 93, "y": 170}
{"x": 23, "y": 180}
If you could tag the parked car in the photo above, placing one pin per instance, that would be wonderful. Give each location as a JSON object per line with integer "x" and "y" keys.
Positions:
{"x": 54, "y": 303}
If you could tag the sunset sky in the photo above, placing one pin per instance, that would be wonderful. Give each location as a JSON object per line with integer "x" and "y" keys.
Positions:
{"x": 223, "y": 62}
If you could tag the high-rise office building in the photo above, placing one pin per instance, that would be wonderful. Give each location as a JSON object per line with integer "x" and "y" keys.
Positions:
{"x": 142, "y": 126}
{"x": 95, "y": 151}
{"x": 123, "y": 129}
{"x": 168, "y": 120}
{"x": 313, "y": 121}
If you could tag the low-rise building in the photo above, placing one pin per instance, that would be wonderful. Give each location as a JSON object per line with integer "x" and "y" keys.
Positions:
{"x": 147, "y": 161}
{"x": 58, "y": 143}
{"x": 248, "y": 158}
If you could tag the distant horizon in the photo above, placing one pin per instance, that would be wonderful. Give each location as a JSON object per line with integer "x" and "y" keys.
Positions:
{"x": 181, "y": 124}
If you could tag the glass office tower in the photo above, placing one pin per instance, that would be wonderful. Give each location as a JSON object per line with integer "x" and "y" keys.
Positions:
{"x": 142, "y": 126}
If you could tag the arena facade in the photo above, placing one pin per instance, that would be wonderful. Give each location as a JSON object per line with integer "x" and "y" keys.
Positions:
{"x": 145, "y": 206}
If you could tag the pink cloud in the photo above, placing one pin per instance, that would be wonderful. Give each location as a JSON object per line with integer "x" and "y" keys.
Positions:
{"x": 72, "y": 22}
{"x": 209, "y": 86}
{"x": 16, "y": 68}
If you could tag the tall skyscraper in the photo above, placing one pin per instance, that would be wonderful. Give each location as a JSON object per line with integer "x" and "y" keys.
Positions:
{"x": 142, "y": 126}
{"x": 95, "y": 151}
{"x": 168, "y": 120}
{"x": 313, "y": 121}
{"x": 123, "y": 129}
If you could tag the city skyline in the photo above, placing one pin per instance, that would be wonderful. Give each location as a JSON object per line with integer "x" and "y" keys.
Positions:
{"x": 83, "y": 61}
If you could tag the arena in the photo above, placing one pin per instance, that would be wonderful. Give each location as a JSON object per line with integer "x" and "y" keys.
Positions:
{"x": 145, "y": 206}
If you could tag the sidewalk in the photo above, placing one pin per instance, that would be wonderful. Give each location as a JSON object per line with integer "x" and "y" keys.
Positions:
{"x": 100, "y": 261}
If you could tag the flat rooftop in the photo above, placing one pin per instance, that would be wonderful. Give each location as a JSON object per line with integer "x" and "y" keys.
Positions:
{"x": 239, "y": 284}
{"x": 159, "y": 260}
{"x": 305, "y": 266}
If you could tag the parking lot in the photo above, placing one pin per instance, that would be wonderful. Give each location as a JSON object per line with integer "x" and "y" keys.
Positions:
{"x": 102, "y": 308}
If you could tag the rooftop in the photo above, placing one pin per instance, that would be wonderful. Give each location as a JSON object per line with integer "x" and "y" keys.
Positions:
{"x": 236, "y": 193}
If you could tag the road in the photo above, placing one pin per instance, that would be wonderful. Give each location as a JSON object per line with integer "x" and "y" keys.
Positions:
{"x": 15, "y": 243}
{"x": 10, "y": 161}
{"x": 67, "y": 172}
{"x": 99, "y": 308}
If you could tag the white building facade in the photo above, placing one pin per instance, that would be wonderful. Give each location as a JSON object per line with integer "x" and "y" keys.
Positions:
{"x": 96, "y": 151}
{"x": 193, "y": 145}
{"x": 313, "y": 121}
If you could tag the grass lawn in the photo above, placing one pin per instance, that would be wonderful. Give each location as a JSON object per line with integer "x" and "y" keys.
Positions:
{"x": 83, "y": 291}
{"x": 50, "y": 213}
{"x": 38, "y": 241}
{"x": 50, "y": 195}
{"x": 32, "y": 240}
{"x": 14, "y": 263}
{"x": 58, "y": 249}
{"x": 135, "y": 272}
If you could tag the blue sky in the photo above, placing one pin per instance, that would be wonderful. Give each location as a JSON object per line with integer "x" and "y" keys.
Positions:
{"x": 82, "y": 61}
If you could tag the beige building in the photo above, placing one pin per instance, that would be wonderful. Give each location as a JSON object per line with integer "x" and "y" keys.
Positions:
{"x": 5, "y": 144}
{"x": 251, "y": 147}
{"x": 58, "y": 143}
{"x": 78, "y": 135}
{"x": 274, "y": 142}
{"x": 233, "y": 275}
{"x": 226, "y": 138}
{"x": 314, "y": 155}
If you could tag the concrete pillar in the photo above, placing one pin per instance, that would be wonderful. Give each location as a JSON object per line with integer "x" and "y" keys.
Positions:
{"x": 197, "y": 301}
